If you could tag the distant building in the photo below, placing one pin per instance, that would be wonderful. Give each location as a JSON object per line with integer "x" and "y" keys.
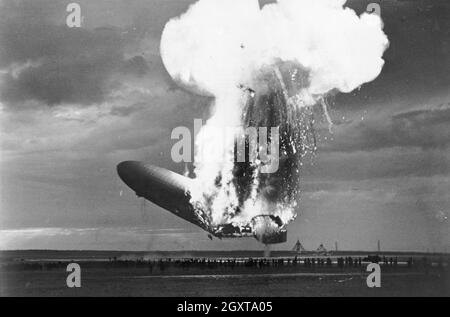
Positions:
{"x": 298, "y": 247}
{"x": 321, "y": 249}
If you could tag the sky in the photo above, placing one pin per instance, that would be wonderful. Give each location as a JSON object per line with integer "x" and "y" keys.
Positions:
{"x": 74, "y": 102}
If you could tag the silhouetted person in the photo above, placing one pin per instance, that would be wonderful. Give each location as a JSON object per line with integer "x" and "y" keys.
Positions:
{"x": 409, "y": 262}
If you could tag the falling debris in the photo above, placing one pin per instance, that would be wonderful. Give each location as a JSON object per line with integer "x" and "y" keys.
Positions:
{"x": 327, "y": 115}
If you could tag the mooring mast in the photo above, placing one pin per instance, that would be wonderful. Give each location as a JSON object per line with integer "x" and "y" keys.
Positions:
{"x": 298, "y": 247}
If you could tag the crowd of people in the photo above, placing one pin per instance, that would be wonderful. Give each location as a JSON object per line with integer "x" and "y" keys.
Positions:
{"x": 231, "y": 263}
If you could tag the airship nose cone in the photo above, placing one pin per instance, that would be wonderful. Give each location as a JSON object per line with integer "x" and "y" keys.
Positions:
{"x": 146, "y": 179}
{"x": 129, "y": 171}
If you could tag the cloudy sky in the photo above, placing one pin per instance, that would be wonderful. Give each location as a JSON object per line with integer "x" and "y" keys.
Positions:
{"x": 74, "y": 102}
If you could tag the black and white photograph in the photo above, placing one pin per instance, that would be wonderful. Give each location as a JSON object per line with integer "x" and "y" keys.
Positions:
{"x": 224, "y": 149}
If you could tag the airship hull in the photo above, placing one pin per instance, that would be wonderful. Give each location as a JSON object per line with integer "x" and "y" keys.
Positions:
{"x": 171, "y": 191}
{"x": 162, "y": 187}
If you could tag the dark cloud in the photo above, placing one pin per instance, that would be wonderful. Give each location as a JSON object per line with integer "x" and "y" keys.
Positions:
{"x": 126, "y": 111}
{"x": 425, "y": 117}
{"x": 425, "y": 128}
{"x": 385, "y": 163}
{"x": 56, "y": 64}
{"x": 136, "y": 66}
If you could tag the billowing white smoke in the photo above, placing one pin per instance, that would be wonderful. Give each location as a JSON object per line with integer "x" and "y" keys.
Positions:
{"x": 218, "y": 45}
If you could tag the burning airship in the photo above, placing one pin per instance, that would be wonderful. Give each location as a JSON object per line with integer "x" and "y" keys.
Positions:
{"x": 171, "y": 191}
{"x": 252, "y": 202}
{"x": 266, "y": 68}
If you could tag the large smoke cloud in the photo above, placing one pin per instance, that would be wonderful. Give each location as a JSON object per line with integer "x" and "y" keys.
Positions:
{"x": 291, "y": 54}
{"x": 217, "y": 44}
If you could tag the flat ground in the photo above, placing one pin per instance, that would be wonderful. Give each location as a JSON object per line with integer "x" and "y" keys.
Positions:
{"x": 44, "y": 274}
{"x": 116, "y": 283}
